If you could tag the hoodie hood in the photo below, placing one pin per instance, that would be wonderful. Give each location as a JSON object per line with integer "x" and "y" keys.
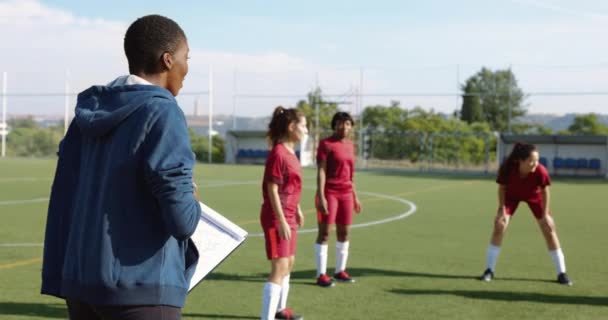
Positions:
{"x": 100, "y": 109}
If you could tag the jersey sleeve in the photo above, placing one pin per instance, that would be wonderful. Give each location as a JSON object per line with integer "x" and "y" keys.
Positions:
{"x": 322, "y": 151}
{"x": 544, "y": 178}
{"x": 275, "y": 169}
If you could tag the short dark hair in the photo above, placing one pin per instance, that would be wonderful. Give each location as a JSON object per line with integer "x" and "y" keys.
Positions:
{"x": 341, "y": 117}
{"x": 147, "y": 39}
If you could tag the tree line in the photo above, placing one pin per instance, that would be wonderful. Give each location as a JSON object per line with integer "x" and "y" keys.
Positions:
{"x": 491, "y": 102}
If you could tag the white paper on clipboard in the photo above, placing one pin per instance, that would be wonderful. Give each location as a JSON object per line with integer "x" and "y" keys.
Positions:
{"x": 215, "y": 238}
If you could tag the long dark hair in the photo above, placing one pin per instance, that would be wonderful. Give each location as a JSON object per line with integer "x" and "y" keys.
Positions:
{"x": 279, "y": 124}
{"x": 521, "y": 151}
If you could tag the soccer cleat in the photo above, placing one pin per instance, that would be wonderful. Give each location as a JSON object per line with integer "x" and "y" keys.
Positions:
{"x": 562, "y": 278}
{"x": 288, "y": 314}
{"x": 325, "y": 281}
{"x": 342, "y": 276}
{"x": 487, "y": 275}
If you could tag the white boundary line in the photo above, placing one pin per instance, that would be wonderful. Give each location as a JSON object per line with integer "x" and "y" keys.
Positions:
{"x": 404, "y": 215}
{"x": 23, "y": 244}
{"x": 9, "y": 202}
{"x": 23, "y": 179}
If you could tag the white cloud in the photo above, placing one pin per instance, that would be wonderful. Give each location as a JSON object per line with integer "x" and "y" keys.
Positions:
{"x": 42, "y": 43}
{"x": 39, "y": 43}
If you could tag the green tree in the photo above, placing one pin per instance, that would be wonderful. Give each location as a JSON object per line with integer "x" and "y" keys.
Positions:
{"x": 200, "y": 147}
{"x": 26, "y": 139}
{"x": 27, "y": 122}
{"x": 327, "y": 110}
{"x": 489, "y": 95}
{"x": 471, "y": 105}
{"x": 587, "y": 124}
{"x": 418, "y": 135}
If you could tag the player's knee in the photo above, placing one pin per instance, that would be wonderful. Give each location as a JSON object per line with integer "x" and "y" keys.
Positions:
{"x": 322, "y": 237}
{"x": 500, "y": 225}
{"x": 547, "y": 224}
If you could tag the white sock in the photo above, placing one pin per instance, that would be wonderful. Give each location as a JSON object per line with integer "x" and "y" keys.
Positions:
{"x": 270, "y": 300}
{"x": 558, "y": 260}
{"x": 492, "y": 256}
{"x": 341, "y": 255}
{"x": 284, "y": 293}
{"x": 321, "y": 255}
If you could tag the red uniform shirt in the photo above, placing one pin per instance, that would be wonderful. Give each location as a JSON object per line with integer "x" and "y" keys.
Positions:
{"x": 525, "y": 188}
{"x": 282, "y": 168}
{"x": 339, "y": 156}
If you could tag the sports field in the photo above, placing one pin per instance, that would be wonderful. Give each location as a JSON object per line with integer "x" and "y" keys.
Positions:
{"x": 422, "y": 265}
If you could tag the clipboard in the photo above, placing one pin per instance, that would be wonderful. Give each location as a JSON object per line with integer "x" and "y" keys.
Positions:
{"x": 215, "y": 238}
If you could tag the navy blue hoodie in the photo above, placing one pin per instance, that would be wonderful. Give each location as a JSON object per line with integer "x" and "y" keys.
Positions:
{"x": 121, "y": 209}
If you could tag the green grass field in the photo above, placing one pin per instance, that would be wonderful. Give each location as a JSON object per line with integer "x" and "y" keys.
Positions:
{"x": 421, "y": 267}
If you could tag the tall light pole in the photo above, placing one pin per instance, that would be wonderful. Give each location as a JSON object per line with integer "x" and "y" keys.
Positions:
{"x": 3, "y": 125}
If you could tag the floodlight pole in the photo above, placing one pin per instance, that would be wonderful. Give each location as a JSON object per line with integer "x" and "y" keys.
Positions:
{"x": 66, "y": 107}
{"x": 210, "y": 125}
{"x": 3, "y": 125}
{"x": 360, "y": 151}
{"x": 234, "y": 97}
{"x": 509, "y": 101}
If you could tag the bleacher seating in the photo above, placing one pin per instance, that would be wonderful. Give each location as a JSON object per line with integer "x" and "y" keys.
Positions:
{"x": 595, "y": 164}
{"x": 558, "y": 163}
{"x": 580, "y": 163}
{"x": 570, "y": 163}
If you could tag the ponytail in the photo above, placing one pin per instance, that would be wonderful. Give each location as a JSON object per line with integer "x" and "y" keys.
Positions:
{"x": 279, "y": 124}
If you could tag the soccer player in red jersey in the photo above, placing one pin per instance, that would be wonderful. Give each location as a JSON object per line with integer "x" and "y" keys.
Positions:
{"x": 281, "y": 214}
{"x": 522, "y": 178}
{"x": 336, "y": 198}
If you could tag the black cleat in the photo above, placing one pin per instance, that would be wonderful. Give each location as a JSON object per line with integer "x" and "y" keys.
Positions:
{"x": 562, "y": 278}
{"x": 487, "y": 275}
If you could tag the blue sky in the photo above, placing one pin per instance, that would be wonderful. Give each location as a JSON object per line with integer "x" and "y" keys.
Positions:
{"x": 276, "y": 47}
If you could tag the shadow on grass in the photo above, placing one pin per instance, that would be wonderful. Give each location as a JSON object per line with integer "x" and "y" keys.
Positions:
{"x": 43, "y": 310}
{"x": 216, "y": 316}
{"x": 59, "y": 311}
{"x": 309, "y": 275}
{"x": 511, "y": 296}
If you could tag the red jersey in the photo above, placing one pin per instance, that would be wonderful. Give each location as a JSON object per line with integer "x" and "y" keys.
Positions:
{"x": 526, "y": 188}
{"x": 283, "y": 168}
{"x": 339, "y": 155}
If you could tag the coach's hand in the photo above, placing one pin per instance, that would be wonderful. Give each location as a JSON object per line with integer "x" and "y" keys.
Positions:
{"x": 195, "y": 192}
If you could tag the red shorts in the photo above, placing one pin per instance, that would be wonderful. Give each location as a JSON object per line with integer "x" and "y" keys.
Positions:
{"x": 277, "y": 247}
{"x": 340, "y": 207}
{"x": 535, "y": 205}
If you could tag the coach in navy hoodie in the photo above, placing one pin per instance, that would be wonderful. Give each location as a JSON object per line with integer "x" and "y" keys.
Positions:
{"x": 123, "y": 203}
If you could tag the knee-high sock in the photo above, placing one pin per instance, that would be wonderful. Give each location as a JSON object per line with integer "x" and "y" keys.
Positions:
{"x": 492, "y": 256}
{"x": 284, "y": 293}
{"x": 270, "y": 300}
{"x": 321, "y": 256}
{"x": 341, "y": 255}
{"x": 558, "y": 260}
